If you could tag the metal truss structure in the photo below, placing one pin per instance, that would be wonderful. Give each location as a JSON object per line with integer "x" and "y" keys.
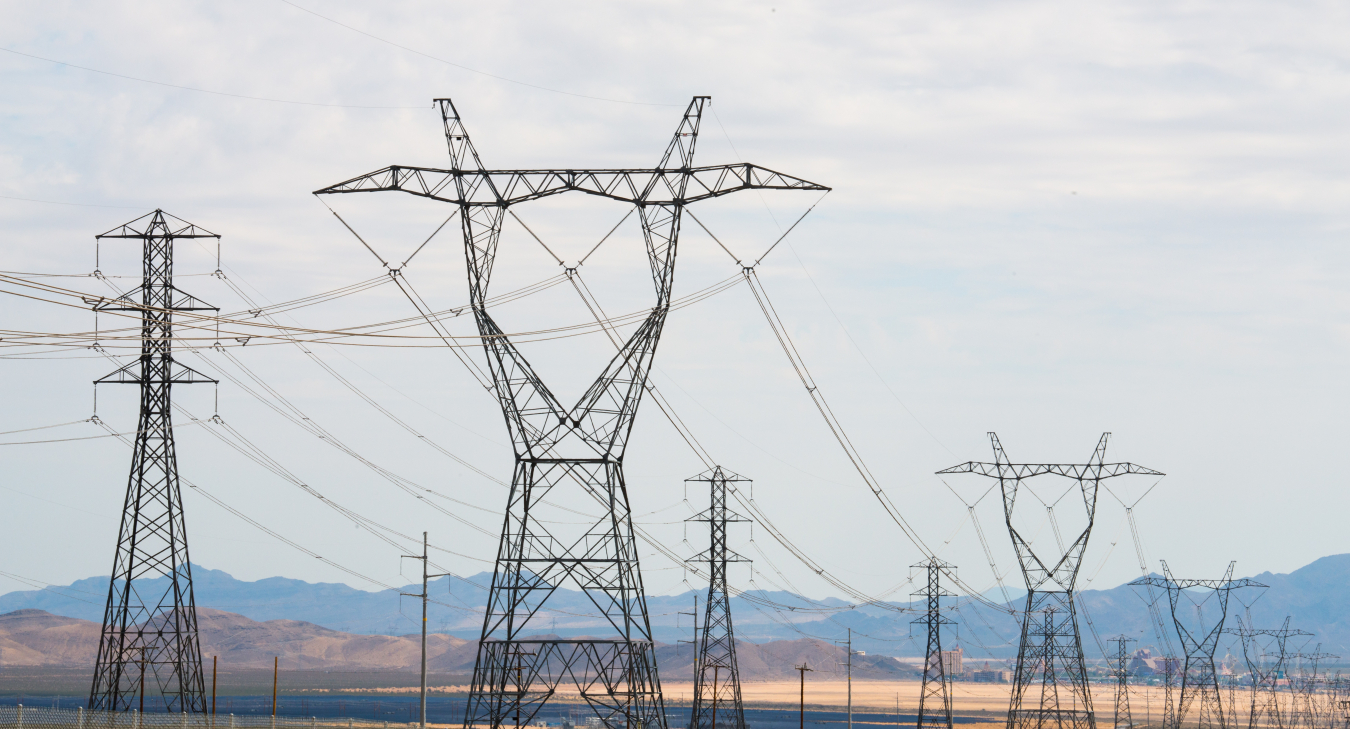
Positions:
{"x": 569, "y": 452}
{"x": 1122, "y": 674}
{"x": 1304, "y": 711}
{"x": 1169, "y": 688}
{"x": 1198, "y": 677}
{"x": 1050, "y": 653}
{"x": 935, "y": 696}
{"x": 150, "y": 622}
{"x": 717, "y": 680}
{"x": 1265, "y": 700}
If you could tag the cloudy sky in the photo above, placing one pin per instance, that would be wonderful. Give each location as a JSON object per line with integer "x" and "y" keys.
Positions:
{"x": 1048, "y": 220}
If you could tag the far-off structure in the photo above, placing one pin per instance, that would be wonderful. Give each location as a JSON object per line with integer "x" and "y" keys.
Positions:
{"x": 1198, "y": 678}
{"x": 717, "y": 678}
{"x": 1050, "y": 653}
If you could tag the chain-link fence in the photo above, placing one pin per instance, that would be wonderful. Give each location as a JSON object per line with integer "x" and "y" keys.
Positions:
{"x": 37, "y": 717}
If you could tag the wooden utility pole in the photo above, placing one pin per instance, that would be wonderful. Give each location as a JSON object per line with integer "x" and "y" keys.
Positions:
{"x": 425, "y": 598}
{"x": 802, "y": 669}
{"x": 276, "y": 666}
{"x": 214, "y": 660}
{"x": 142, "y": 682}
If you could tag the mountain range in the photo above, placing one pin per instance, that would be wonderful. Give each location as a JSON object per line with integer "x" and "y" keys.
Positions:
{"x": 1316, "y": 596}
{"x": 30, "y": 637}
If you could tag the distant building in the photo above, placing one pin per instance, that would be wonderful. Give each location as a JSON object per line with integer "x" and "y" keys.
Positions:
{"x": 991, "y": 676}
{"x": 1144, "y": 663}
{"x": 951, "y": 662}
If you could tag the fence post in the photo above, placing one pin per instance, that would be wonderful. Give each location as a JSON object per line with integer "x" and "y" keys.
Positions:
{"x": 136, "y": 719}
{"x": 20, "y": 716}
{"x": 231, "y": 721}
{"x": 79, "y": 717}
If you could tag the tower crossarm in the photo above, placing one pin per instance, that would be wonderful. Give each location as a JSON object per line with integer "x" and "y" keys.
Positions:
{"x": 1076, "y": 471}
{"x": 1175, "y": 584}
{"x": 158, "y": 224}
{"x": 497, "y": 188}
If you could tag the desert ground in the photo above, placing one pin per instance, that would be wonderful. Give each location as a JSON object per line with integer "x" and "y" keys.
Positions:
{"x": 880, "y": 696}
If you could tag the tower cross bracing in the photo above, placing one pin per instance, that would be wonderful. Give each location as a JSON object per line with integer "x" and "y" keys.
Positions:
{"x": 568, "y": 452}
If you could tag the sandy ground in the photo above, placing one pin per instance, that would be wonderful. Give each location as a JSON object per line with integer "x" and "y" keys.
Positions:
{"x": 881, "y": 696}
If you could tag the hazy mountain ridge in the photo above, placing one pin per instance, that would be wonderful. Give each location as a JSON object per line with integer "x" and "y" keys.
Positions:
{"x": 1316, "y": 595}
{"x": 31, "y": 637}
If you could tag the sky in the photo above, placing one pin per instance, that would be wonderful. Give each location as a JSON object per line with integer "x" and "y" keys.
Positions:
{"x": 1049, "y": 220}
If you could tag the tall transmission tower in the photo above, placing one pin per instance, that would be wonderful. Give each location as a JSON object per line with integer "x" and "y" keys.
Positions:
{"x": 1122, "y": 674}
{"x": 1304, "y": 709}
{"x": 1050, "y": 644}
{"x": 1265, "y": 699}
{"x": 717, "y": 680}
{"x": 149, "y": 635}
{"x": 571, "y": 454}
{"x": 1198, "y": 677}
{"x": 935, "y": 696}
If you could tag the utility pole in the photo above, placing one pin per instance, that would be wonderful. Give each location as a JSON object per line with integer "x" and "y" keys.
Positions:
{"x": 802, "y": 669}
{"x": 155, "y": 621}
{"x": 572, "y": 452}
{"x": 848, "y": 671}
{"x": 1050, "y": 591}
{"x": 423, "y": 595}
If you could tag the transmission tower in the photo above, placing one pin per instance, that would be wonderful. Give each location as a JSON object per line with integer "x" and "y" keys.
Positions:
{"x": 1050, "y": 642}
{"x": 717, "y": 680}
{"x": 149, "y": 635}
{"x": 1198, "y": 677}
{"x": 935, "y": 697}
{"x": 1169, "y": 688}
{"x": 1122, "y": 673}
{"x": 1265, "y": 698}
{"x": 571, "y": 453}
{"x": 1303, "y": 709}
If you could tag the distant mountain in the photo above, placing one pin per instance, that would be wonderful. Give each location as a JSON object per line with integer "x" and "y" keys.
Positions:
{"x": 457, "y": 610}
{"x": 32, "y": 637}
{"x": 1317, "y": 596}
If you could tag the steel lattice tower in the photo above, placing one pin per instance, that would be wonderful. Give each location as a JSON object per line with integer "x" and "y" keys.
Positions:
{"x": 935, "y": 697}
{"x": 717, "y": 680}
{"x": 149, "y": 636}
{"x": 1050, "y": 642}
{"x": 1198, "y": 677}
{"x": 1265, "y": 699}
{"x": 1122, "y": 673}
{"x": 569, "y": 453}
{"x": 1304, "y": 710}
